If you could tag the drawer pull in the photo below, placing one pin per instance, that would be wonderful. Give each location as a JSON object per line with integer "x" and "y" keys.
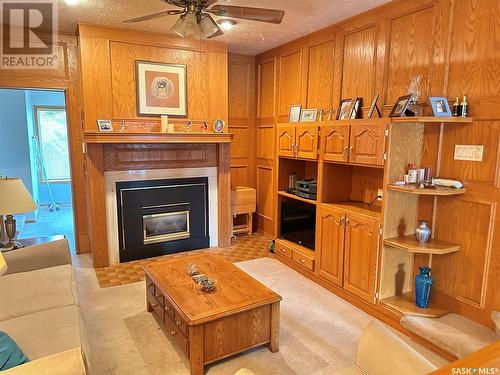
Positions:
{"x": 154, "y": 305}
{"x": 167, "y": 308}
{"x": 173, "y": 332}
{"x": 178, "y": 323}
{"x": 150, "y": 285}
{"x": 283, "y": 250}
{"x": 302, "y": 260}
{"x": 157, "y": 295}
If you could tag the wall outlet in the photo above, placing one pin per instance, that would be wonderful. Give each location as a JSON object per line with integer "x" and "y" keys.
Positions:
{"x": 380, "y": 193}
{"x": 469, "y": 152}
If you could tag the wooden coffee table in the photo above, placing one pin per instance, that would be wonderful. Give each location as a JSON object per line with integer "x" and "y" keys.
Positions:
{"x": 240, "y": 314}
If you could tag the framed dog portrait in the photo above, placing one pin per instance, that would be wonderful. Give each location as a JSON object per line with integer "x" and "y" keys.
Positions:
{"x": 161, "y": 89}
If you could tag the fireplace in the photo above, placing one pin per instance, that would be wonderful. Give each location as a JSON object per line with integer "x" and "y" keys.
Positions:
{"x": 158, "y": 217}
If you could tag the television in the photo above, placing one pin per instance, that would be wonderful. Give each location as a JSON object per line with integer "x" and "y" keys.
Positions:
{"x": 298, "y": 223}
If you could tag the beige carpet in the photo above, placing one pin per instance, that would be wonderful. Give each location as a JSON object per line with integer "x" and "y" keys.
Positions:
{"x": 319, "y": 331}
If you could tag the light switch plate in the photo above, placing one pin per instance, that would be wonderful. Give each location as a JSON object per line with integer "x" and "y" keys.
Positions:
{"x": 469, "y": 152}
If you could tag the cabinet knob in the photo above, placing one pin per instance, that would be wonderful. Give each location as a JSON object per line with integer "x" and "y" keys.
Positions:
{"x": 154, "y": 305}
{"x": 167, "y": 308}
{"x": 178, "y": 323}
{"x": 283, "y": 250}
{"x": 173, "y": 332}
{"x": 301, "y": 260}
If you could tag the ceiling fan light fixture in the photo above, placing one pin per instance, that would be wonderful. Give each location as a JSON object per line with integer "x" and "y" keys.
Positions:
{"x": 180, "y": 27}
{"x": 208, "y": 26}
{"x": 192, "y": 27}
{"x": 226, "y": 24}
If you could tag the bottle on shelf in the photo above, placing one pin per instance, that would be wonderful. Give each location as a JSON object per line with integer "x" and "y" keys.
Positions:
{"x": 464, "y": 107}
{"x": 456, "y": 108}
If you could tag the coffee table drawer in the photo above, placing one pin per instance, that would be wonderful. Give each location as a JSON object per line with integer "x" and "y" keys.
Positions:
{"x": 157, "y": 308}
{"x": 180, "y": 323}
{"x": 177, "y": 334}
{"x": 169, "y": 310}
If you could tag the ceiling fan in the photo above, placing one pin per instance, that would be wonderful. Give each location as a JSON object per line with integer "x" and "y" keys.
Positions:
{"x": 195, "y": 20}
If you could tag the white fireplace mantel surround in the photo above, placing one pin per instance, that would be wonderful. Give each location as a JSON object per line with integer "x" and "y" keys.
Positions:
{"x": 112, "y": 177}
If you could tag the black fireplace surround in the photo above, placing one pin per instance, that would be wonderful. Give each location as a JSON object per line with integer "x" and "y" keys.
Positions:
{"x": 159, "y": 217}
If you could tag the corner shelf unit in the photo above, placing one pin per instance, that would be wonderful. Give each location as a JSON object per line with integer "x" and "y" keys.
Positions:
{"x": 412, "y": 189}
{"x": 405, "y": 304}
{"x": 410, "y": 244}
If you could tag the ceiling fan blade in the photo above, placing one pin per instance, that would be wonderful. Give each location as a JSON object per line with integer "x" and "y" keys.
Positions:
{"x": 177, "y": 3}
{"x": 155, "y": 15}
{"x": 247, "y": 13}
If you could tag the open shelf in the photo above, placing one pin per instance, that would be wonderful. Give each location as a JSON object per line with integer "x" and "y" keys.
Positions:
{"x": 429, "y": 119}
{"x": 357, "y": 207}
{"x": 405, "y": 304}
{"x": 410, "y": 244}
{"x": 412, "y": 189}
{"x": 293, "y": 196}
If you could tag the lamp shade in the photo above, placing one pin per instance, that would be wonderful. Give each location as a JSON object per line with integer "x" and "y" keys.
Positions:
{"x": 3, "y": 265}
{"x": 14, "y": 197}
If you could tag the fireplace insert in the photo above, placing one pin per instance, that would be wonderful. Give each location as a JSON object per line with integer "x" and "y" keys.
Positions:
{"x": 158, "y": 217}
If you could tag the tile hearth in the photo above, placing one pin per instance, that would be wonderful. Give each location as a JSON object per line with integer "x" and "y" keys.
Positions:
{"x": 241, "y": 249}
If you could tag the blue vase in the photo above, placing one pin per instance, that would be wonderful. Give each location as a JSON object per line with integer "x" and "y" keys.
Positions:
{"x": 423, "y": 285}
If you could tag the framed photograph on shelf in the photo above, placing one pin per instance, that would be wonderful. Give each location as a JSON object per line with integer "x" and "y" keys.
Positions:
{"x": 294, "y": 113}
{"x": 345, "y": 109}
{"x": 161, "y": 89}
{"x": 440, "y": 106}
{"x": 401, "y": 105}
{"x": 105, "y": 125}
{"x": 308, "y": 115}
{"x": 374, "y": 106}
{"x": 356, "y": 105}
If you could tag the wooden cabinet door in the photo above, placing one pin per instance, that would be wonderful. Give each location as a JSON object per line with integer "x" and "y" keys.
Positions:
{"x": 286, "y": 139}
{"x": 330, "y": 244}
{"x": 306, "y": 139}
{"x": 367, "y": 144}
{"x": 335, "y": 142}
{"x": 360, "y": 259}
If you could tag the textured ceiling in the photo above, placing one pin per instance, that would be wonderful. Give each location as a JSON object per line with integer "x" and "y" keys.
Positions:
{"x": 249, "y": 38}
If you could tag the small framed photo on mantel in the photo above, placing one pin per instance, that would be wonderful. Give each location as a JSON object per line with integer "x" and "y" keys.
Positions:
{"x": 105, "y": 125}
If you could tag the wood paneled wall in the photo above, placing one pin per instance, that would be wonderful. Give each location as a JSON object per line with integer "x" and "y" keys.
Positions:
{"x": 241, "y": 77}
{"x": 109, "y": 80}
{"x": 65, "y": 77}
{"x": 453, "y": 45}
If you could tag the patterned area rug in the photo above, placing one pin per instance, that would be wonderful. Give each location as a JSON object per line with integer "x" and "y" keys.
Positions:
{"x": 242, "y": 248}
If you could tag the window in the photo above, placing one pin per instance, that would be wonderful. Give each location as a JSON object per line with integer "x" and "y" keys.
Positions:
{"x": 52, "y": 137}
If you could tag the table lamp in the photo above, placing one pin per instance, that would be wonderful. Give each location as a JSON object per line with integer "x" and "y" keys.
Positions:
{"x": 14, "y": 199}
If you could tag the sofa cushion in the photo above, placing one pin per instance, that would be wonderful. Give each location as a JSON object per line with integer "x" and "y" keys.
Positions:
{"x": 69, "y": 362}
{"x": 10, "y": 354}
{"x": 454, "y": 333}
{"x": 26, "y": 292}
{"x": 45, "y": 332}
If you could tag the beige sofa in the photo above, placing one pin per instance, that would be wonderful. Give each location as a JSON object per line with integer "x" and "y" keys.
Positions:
{"x": 39, "y": 309}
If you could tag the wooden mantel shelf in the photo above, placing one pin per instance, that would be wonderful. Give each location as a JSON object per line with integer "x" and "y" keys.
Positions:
{"x": 131, "y": 138}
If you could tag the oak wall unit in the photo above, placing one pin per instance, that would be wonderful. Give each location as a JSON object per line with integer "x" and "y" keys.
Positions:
{"x": 452, "y": 45}
{"x": 66, "y": 76}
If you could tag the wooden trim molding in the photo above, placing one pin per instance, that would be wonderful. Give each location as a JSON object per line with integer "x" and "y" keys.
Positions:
{"x": 134, "y": 138}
